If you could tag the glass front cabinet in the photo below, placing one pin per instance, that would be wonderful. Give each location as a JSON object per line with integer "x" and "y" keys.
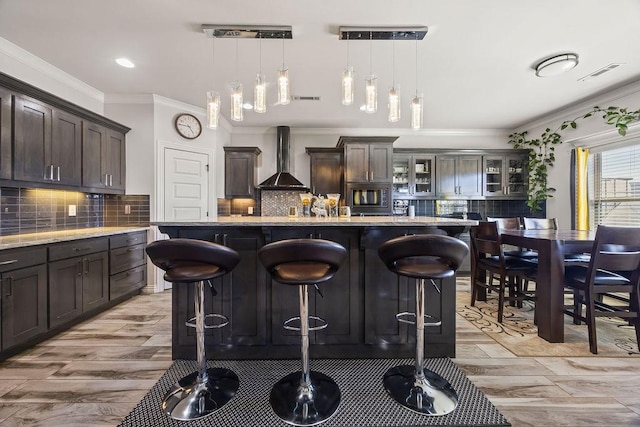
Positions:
{"x": 413, "y": 176}
{"x": 505, "y": 176}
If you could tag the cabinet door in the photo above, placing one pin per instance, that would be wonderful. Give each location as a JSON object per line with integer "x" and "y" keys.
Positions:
{"x": 24, "y": 305}
{"x": 494, "y": 172}
{"x": 5, "y": 134}
{"x": 516, "y": 177}
{"x": 469, "y": 175}
{"x": 65, "y": 291}
{"x": 95, "y": 280}
{"x": 380, "y": 162}
{"x": 446, "y": 182}
{"x": 66, "y": 148}
{"x": 402, "y": 176}
{"x": 32, "y": 146}
{"x": 422, "y": 175}
{"x": 115, "y": 161}
{"x": 326, "y": 171}
{"x": 239, "y": 178}
{"x": 93, "y": 141}
{"x": 357, "y": 162}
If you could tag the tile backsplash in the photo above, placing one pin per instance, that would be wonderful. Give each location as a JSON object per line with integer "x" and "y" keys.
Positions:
{"x": 30, "y": 210}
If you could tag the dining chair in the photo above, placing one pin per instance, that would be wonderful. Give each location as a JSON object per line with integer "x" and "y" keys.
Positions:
{"x": 487, "y": 255}
{"x": 601, "y": 286}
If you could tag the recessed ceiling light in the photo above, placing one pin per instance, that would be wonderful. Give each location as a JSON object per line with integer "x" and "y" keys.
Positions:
{"x": 124, "y": 62}
{"x": 556, "y": 65}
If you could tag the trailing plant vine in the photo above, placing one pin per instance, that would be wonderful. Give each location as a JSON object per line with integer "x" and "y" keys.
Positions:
{"x": 542, "y": 149}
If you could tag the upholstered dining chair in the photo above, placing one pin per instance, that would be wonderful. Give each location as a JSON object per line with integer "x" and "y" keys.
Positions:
{"x": 609, "y": 284}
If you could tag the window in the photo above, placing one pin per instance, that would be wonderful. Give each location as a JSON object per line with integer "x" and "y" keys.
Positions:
{"x": 614, "y": 186}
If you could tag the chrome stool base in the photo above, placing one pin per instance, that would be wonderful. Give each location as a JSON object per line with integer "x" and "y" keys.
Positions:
{"x": 431, "y": 395}
{"x": 300, "y": 405}
{"x": 191, "y": 399}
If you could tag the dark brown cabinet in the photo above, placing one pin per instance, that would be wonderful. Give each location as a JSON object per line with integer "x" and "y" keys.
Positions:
{"x": 413, "y": 175}
{"x": 5, "y": 134}
{"x": 367, "y": 159}
{"x": 505, "y": 176}
{"x": 127, "y": 263}
{"x": 458, "y": 175}
{"x": 103, "y": 159}
{"x": 78, "y": 278}
{"x": 23, "y": 278}
{"x": 240, "y": 164}
{"x": 326, "y": 169}
{"x": 32, "y": 141}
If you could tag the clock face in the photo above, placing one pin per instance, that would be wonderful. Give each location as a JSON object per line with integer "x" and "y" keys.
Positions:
{"x": 188, "y": 126}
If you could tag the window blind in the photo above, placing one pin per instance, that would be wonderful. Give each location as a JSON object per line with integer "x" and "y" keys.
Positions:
{"x": 614, "y": 186}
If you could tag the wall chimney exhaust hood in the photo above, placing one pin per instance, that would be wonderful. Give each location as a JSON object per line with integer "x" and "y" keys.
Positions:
{"x": 282, "y": 179}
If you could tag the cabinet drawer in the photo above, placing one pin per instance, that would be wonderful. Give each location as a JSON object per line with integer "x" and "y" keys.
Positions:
{"x": 127, "y": 257}
{"x": 128, "y": 239}
{"x": 77, "y": 248}
{"x": 127, "y": 281}
{"x": 12, "y": 259}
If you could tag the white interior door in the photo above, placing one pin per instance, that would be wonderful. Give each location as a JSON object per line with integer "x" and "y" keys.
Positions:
{"x": 186, "y": 185}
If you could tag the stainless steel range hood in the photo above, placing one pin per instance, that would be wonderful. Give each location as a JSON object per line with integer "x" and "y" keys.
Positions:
{"x": 282, "y": 179}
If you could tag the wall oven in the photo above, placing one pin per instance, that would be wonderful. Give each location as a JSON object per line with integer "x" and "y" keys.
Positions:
{"x": 369, "y": 199}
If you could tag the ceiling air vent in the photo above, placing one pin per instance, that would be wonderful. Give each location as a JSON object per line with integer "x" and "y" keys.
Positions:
{"x": 600, "y": 72}
{"x": 306, "y": 98}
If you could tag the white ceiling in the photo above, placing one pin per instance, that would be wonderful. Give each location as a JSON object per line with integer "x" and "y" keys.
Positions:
{"x": 475, "y": 64}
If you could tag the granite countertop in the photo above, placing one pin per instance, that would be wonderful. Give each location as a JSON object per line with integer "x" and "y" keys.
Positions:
{"x": 354, "y": 221}
{"x": 32, "y": 239}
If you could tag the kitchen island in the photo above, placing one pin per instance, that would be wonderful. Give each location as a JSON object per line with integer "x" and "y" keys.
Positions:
{"x": 359, "y": 303}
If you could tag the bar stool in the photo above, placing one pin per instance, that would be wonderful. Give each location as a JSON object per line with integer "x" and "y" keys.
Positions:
{"x": 306, "y": 397}
{"x": 422, "y": 256}
{"x": 200, "y": 393}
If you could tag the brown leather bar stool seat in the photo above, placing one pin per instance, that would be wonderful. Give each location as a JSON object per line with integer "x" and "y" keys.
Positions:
{"x": 306, "y": 397}
{"x": 200, "y": 393}
{"x": 422, "y": 257}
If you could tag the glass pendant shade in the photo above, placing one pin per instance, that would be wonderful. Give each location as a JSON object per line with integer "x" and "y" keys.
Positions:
{"x": 394, "y": 104}
{"x": 371, "y": 95}
{"x": 416, "y": 112}
{"x": 213, "y": 109}
{"x": 260, "y": 94}
{"x": 236, "y": 102}
{"x": 347, "y": 86}
{"x": 284, "y": 91}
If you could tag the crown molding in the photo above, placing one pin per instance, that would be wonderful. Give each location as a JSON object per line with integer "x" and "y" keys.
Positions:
{"x": 30, "y": 60}
{"x": 498, "y": 133}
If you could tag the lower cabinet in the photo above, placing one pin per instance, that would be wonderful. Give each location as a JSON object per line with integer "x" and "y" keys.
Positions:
{"x": 127, "y": 263}
{"x": 23, "y": 276}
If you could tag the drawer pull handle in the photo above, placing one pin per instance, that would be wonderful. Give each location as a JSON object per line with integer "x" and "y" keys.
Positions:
{"x": 81, "y": 249}
{"x": 8, "y": 262}
{"x": 9, "y": 286}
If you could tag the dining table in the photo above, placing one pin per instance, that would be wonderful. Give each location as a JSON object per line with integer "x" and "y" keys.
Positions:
{"x": 551, "y": 246}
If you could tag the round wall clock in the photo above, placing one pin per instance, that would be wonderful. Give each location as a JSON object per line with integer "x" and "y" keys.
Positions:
{"x": 188, "y": 126}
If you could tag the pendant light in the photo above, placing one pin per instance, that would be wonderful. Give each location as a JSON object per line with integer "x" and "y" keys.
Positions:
{"x": 213, "y": 97}
{"x": 284, "y": 91}
{"x": 260, "y": 88}
{"x": 236, "y": 95}
{"x": 347, "y": 81}
{"x": 416, "y": 102}
{"x": 394, "y": 92}
{"x": 371, "y": 83}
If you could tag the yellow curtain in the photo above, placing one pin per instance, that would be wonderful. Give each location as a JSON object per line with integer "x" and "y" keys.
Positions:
{"x": 582, "y": 200}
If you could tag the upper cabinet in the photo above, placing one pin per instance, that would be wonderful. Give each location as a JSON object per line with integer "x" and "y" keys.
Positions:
{"x": 458, "y": 175}
{"x": 5, "y": 134}
{"x": 505, "y": 176}
{"x": 103, "y": 159}
{"x": 240, "y": 164}
{"x": 325, "y": 164}
{"x": 48, "y": 142}
{"x": 368, "y": 159}
{"x": 413, "y": 175}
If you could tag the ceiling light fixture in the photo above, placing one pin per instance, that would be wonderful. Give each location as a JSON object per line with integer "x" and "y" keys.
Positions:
{"x": 556, "y": 65}
{"x": 284, "y": 90}
{"x": 260, "y": 89}
{"x": 417, "y": 101}
{"x": 236, "y": 95}
{"x": 371, "y": 84}
{"x": 394, "y": 92}
{"x": 125, "y": 62}
{"x": 347, "y": 81}
{"x": 213, "y": 97}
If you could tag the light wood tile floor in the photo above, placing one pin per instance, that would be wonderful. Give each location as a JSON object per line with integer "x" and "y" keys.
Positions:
{"x": 95, "y": 373}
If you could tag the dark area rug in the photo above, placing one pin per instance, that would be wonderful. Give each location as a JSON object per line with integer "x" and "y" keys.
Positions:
{"x": 364, "y": 401}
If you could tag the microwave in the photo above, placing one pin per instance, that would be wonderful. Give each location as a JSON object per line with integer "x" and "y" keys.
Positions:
{"x": 369, "y": 199}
